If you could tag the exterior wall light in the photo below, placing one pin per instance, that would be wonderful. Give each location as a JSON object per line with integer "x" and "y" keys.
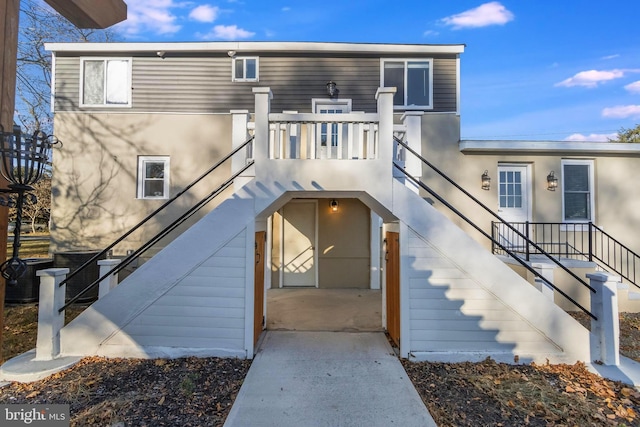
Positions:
{"x": 22, "y": 162}
{"x": 334, "y": 205}
{"x": 552, "y": 181}
{"x": 486, "y": 181}
{"x": 332, "y": 89}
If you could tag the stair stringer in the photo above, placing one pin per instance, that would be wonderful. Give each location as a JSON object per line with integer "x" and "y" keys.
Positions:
{"x": 191, "y": 269}
{"x": 465, "y": 304}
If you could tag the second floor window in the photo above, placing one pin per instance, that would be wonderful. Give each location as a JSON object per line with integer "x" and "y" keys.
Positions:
{"x": 105, "y": 82}
{"x": 413, "y": 80}
{"x": 245, "y": 69}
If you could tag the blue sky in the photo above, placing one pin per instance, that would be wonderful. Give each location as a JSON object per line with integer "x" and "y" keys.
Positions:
{"x": 544, "y": 70}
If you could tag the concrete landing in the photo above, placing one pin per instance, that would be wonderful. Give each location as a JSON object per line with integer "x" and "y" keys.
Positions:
{"x": 25, "y": 368}
{"x": 327, "y": 379}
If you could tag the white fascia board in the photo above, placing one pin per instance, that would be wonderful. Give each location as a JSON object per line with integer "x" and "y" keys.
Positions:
{"x": 240, "y": 47}
{"x": 547, "y": 147}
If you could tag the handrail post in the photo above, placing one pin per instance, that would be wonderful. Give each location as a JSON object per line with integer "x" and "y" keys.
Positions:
{"x": 109, "y": 282}
{"x": 239, "y": 135}
{"x": 261, "y": 153}
{"x": 546, "y": 270}
{"x": 606, "y": 330}
{"x": 50, "y": 318}
{"x": 384, "y": 96}
{"x": 526, "y": 233}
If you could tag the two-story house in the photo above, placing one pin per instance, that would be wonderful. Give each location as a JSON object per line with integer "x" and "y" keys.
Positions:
{"x": 322, "y": 183}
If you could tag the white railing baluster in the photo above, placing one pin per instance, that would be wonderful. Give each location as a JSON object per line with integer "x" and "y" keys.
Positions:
{"x": 339, "y": 154}
{"x": 350, "y": 141}
{"x": 370, "y": 136}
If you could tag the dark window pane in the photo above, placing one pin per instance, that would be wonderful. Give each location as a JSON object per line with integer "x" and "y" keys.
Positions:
{"x": 251, "y": 69}
{"x": 239, "y": 69}
{"x": 576, "y": 177}
{"x": 154, "y": 170}
{"x": 154, "y": 188}
{"x": 576, "y": 206}
{"x": 394, "y": 77}
{"x": 418, "y": 83}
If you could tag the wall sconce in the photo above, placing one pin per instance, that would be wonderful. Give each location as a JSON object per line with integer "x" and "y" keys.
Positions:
{"x": 334, "y": 205}
{"x": 552, "y": 181}
{"x": 486, "y": 181}
{"x": 332, "y": 89}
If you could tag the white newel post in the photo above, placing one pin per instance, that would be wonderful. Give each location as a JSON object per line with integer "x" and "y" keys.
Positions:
{"x": 604, "y": 305}
{"x": 261, "y": 136}
{"x": 109, "y": 282}
{"x": 240, "y": 135}
{"x": 384, "y": 96}
{"x": 50, "y": 321}
{"x": 413, "y": 165}
{"x": 546, "y": 271}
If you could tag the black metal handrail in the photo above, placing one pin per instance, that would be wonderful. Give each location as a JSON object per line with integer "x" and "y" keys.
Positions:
{"x": 582, "y": 241}
{"x": 97, "y": 256}
{"x": 484, "y": 233}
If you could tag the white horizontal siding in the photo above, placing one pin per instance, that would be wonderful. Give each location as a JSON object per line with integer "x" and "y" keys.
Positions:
{"x": 450, "y": 311}
{"x": 206, "y": 309}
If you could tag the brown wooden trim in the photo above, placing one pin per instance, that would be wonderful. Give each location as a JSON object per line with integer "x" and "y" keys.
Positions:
{"x": 392, "y": 258}
{"x": 258, "y": 308}
{"x": 91, "y": 13}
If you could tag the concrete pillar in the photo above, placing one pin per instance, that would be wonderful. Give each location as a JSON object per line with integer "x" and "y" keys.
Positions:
{"x": 263, "y": 98}
{"x": 546, "y": 270}
{"x": 240, "y": 135}
{"x": 109, "y": 282}
{"x": 50, "y": 321}
{"x": 413, "y": 123}
{"x": 606, "y": 330}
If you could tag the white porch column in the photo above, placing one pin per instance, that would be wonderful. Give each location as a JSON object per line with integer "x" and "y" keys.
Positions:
{"x": 110, "y": 282}
{"x": 546, "y": 270}
{"x": 50, "y": 321}
{"x": 376, "y": 251}
{"x": 413, "y": 123}
{"x": 240, "y": 135}
{"x": 604, "y": 305}
{"x": 384, "y": 96}
{"x": 263, "y": 98}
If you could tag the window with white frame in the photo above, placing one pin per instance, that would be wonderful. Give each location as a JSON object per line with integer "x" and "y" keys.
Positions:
{"x": 153, "y": 177}
{"x": 245, "y": 69}
{"x": 578, "y": 191}
{"x": 105, "y": 82}
{"x": 413, "y": 79}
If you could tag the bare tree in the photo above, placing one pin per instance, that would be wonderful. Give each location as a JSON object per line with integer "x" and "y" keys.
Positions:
{"x": 40, "y": 24}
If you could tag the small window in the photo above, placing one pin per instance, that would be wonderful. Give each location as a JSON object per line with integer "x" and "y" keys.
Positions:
{"x": 105, "y": 82}
{"x": 577, "y": 191}
{"x": 153, "y": 177}
{"x": 413, "y": 80}
{"x": 245, "y": 69}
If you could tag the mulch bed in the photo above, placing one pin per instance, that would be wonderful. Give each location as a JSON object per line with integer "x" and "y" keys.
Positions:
{"x": 133, "y": 392}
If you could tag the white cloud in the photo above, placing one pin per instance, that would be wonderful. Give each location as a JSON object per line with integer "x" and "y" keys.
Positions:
{"x": 430, "y": 33}
{"x": 227, "y": 32}
{"x": 286, "y": 9}
{"x": 610, "y": 57}
{"x": 621, "y": 111}
{"x": 492, "y": 13}
{"x": 591, "y": 78}
{"x": 204, "y": 13}
{"x": 154, "y": 16}
{"x": 593, "y": 137}
{"x": 633, "y": 87}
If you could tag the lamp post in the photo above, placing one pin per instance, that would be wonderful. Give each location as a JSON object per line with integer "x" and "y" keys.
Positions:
{"x": 22, "y": 162}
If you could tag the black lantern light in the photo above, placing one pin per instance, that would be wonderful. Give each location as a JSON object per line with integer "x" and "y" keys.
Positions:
{"x": 486, "y": 180}
{"x": 552, "y": 181}
{"x": 23, "y": 160}
{"x": 332, "y": 89}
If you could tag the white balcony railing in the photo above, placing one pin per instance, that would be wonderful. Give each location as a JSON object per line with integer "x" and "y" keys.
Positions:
{"x": 352, "y": 136}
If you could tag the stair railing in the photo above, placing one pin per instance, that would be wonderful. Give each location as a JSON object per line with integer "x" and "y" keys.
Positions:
{"x": 180, "y": 220}
{"x": 485, "y": 234}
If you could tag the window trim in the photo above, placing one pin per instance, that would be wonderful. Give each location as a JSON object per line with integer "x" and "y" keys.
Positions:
{"x": 140, "y": 178}
{"x": 406, "y": 92}
{"x": 592, "y": 197}
{"x": 104, "y": 59}
{"x": 244, "y": 69}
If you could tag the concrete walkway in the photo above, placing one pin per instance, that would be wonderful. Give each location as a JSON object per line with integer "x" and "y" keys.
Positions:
{"x": 332, "y": 379}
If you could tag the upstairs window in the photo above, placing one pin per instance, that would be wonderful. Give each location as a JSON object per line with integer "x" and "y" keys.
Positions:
{"x": 413, "y": 80}
{"x": 153, "y": 177}
{"x": 245, "y": 69}
{"x": 577, "y": 191}
{"x": 105, "y": 82}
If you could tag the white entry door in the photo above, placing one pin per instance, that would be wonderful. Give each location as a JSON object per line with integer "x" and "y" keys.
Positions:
{"x": 299, "y": 261}
{"x": 514, "y": 203}
{"x": 328, "y": 133}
